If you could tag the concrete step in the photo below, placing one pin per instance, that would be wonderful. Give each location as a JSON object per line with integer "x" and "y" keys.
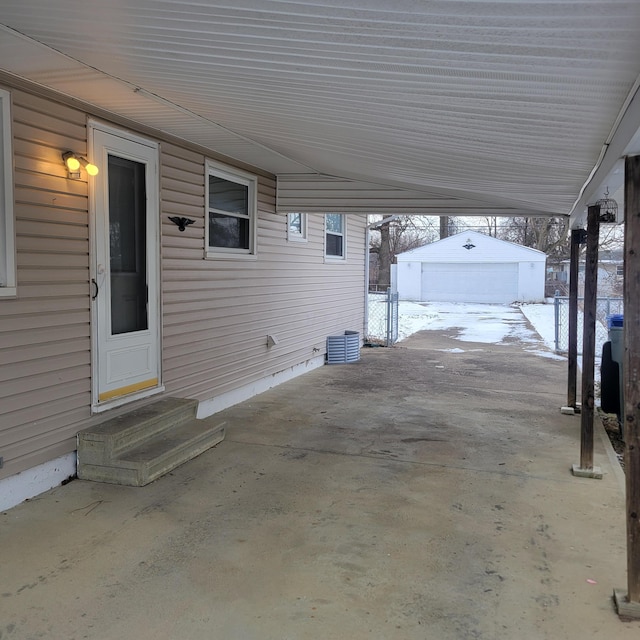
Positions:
{"x": 107, "y": 440}
{"x": 137, "y": 448}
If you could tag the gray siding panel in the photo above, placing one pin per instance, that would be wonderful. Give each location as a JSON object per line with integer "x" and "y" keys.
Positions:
{"x": 44, "y": 332}
{"x": 216, "y": 314}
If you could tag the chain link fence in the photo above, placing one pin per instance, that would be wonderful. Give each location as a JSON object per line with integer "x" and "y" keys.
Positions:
{"x": 604, "y": 308}
{"x": 382, "y": 318}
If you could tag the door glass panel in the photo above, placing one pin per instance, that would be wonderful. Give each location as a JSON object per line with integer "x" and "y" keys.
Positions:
{"x": 127, "y": 245}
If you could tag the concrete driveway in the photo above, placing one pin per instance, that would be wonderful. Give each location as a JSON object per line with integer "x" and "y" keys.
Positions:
{"x": 423, "y": 492}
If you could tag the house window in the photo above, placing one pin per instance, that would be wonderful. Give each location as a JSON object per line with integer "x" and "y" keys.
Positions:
{"x": 620, "y": 270}
{"x": 231, "y": 206}
{"x": 7, "y": 240}
{"x": 335, "y": 245}
{"x": 297, "y": 227}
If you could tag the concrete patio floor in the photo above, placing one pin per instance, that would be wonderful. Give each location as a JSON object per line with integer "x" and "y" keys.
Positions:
{"x": 419, "y": 493}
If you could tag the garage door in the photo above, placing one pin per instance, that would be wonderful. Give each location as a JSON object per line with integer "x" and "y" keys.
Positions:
{"x": 470, "y": 282}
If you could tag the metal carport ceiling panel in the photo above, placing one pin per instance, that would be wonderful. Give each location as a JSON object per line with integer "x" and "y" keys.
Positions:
{"x": 509, "y": 100}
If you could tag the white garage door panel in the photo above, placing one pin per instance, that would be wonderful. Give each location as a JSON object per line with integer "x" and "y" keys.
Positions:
{"x": 470, "y": 282}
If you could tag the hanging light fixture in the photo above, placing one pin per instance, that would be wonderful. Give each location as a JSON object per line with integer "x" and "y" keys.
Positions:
{"x": 608, "y": 208}
{"x": 73, "y": 163}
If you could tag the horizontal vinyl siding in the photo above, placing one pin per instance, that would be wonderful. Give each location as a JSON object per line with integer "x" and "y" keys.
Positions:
{"x": 45, "y": 331}
{"x": 322, "y": 193}
{"x": 217, "y": 313}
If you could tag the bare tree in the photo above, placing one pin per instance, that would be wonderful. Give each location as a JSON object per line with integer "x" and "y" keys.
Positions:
{"x": 395, "y": 236}
{"x": 444, "y": 227}
{"x": 492, "y": 225}
{"x": 549, "y": 235}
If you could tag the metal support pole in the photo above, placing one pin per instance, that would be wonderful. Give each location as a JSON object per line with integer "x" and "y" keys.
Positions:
{"x": 556, "y": 318}
{"x": 389, "y": 318}
{"x": 577, "y": 236}
{"x": 586, "y": 468}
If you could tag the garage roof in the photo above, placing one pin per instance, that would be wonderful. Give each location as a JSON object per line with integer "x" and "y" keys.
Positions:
{"x": 472, "y": 247}
{"x": 498, "y": 106}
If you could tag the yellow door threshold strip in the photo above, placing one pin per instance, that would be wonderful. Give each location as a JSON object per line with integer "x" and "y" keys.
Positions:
{"x": 131, "y": 388}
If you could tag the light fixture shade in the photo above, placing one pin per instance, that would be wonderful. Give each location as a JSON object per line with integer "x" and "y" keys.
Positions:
{"x": 73, "y": 163}
{"x": 91, "y": 169}
{"x": 69, "y": 158}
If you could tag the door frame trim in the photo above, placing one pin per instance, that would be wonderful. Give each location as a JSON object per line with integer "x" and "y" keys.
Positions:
{"x": 96, "y": 405}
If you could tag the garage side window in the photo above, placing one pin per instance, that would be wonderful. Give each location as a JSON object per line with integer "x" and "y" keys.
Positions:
{"x": 335, "y": 236}
{"x": 232, "y": 205}
{"x": 7, "y": 239}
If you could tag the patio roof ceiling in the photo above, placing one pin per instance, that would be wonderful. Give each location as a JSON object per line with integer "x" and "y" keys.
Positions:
{"x": 497, "y": 107}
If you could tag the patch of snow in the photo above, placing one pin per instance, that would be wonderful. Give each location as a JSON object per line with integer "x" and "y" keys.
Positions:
{"x": 542, "y": 317}
{"x": 490, "y": 323}
{"x": 474, "y": 322}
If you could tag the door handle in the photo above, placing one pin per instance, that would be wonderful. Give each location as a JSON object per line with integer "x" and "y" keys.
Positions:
{"x": 95, "y": 284}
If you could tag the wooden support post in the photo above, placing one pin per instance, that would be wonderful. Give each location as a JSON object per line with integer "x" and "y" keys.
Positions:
{"x": 576, "y": 241}
{"x": 628, "y": 603}
{"x": 586, "y": 468}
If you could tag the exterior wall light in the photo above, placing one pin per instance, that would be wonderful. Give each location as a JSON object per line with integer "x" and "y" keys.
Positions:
{"x": 73, "y": 163}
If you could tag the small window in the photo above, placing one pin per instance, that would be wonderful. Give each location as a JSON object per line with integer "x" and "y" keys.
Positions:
{"x": 334, "y": 224}
{"x": 231, "y": 207}
{"x": 7, "y": 240}
{"x": 620, "y": 270}
{"x": 297, "y": 227}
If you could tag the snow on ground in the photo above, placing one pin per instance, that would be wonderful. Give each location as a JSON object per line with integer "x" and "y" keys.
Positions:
{"x": 485, "y": 323}
{"x": 542, "y": 317}
{"x": 489, "y": 323}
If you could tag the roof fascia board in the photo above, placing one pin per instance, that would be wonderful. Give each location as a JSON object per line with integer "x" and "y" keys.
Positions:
{"x": 616, "y": 147}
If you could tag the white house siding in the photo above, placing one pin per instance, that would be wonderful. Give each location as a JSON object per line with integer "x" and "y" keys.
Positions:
{"x": 530, "y": 275}
{"x": 216, "y": 313}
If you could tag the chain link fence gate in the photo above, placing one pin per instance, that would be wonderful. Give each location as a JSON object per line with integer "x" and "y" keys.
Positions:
{"x": 604, "y": 308}
{"x": 382, "y": 318}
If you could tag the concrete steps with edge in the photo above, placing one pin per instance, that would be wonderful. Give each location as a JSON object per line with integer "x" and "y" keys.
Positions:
{"x": 138, "y": 447}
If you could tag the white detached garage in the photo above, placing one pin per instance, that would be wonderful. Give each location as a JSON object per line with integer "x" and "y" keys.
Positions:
{"x": 471, "y": 267}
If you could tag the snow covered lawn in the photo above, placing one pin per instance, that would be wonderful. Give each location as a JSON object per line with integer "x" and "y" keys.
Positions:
{"x": 488, "y": 323}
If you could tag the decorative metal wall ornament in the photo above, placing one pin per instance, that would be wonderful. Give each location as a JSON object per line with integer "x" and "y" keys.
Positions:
{"x": 469, "y": 245}
{"x": 608, "y": 208}
{"x": 182, "y": 223}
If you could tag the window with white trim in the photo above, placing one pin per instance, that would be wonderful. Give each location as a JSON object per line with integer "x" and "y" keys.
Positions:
{"x": 7, "y": 239}
{"x": 334, "y": 236}
{"x": 297, "y": 227}
{"x": 231, "y": 212}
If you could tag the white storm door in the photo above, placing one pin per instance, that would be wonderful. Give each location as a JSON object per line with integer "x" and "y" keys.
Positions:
{"x": 126, "y": 272}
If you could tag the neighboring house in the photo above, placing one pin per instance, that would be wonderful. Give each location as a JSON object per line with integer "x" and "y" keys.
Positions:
{"x": 610, "y": 273}
{"x": 471, "y": 267}
{"x": 164, "y": 274}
